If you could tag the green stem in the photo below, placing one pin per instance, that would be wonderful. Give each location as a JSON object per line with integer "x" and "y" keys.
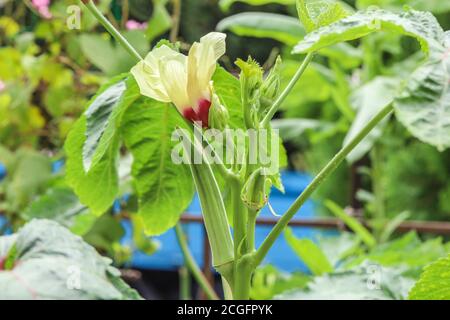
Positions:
{"x": 251, "y": 224}
{"x": 323, "y": 174}
{"x": 185, "y": 283}
{"x": 239, "y": 218}
{"x": 192, "y": 265}
{"x": 274, "y": 108}
{"x": 112, "y": 30}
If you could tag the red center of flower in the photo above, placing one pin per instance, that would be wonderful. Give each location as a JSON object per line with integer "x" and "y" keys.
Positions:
{"x": 201, "y": 115}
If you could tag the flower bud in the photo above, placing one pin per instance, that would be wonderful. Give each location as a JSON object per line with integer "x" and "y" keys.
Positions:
{"x": 218, "y": 115}
{"x": 251, "y": 78}
{"x": 254, "y": 194}
{"x": 270, "y": 88}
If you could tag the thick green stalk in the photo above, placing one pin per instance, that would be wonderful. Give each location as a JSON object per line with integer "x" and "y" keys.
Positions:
{"x": 191, "y": 264}
{"x": 274, "y": 108}
{"x": 323, "y": 174}
{"x": 111, "y": 29}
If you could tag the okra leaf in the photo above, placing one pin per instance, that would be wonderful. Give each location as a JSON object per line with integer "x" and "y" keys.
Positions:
{"x": 49, "y": 262}
{"x": 434, "y": 283}
{"x": 94, "y": 140}
{"x": 424, "y": 103}
{"x": 165, "y": 189}
{"x": 420, "y": 25}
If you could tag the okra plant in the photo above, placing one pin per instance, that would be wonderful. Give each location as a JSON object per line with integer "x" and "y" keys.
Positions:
{"x": 192, "y": 126}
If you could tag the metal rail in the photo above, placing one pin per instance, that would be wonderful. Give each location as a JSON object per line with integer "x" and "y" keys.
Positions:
{"x": 434, "y": 227}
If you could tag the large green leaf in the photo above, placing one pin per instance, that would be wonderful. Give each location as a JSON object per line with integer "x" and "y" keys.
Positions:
{"x": 424, "y": 104}
{"x": 421, "y": 25}
{"x": 61, "y": 205}
{"x": 309, "y": 253}
{"x": 49, "y": 262}
{"x": 434, "y": 283}
{"x": 264, "y": 25}
{"x": 98, "y": 187}
{"x": 92, "y": 145}
{"x": 165, "y": 189}
{"x": 368, "y": 100}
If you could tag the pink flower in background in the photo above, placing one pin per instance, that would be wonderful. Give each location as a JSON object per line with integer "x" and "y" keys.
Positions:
{"x": 42, "y": 7}
{"x": 2, "y": 86}
{"x": 135, "y": 25}
{"x": 41, "y": 3}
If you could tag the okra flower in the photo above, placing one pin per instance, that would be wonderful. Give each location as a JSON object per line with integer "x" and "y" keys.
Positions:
{"x": 169, "y": 76}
